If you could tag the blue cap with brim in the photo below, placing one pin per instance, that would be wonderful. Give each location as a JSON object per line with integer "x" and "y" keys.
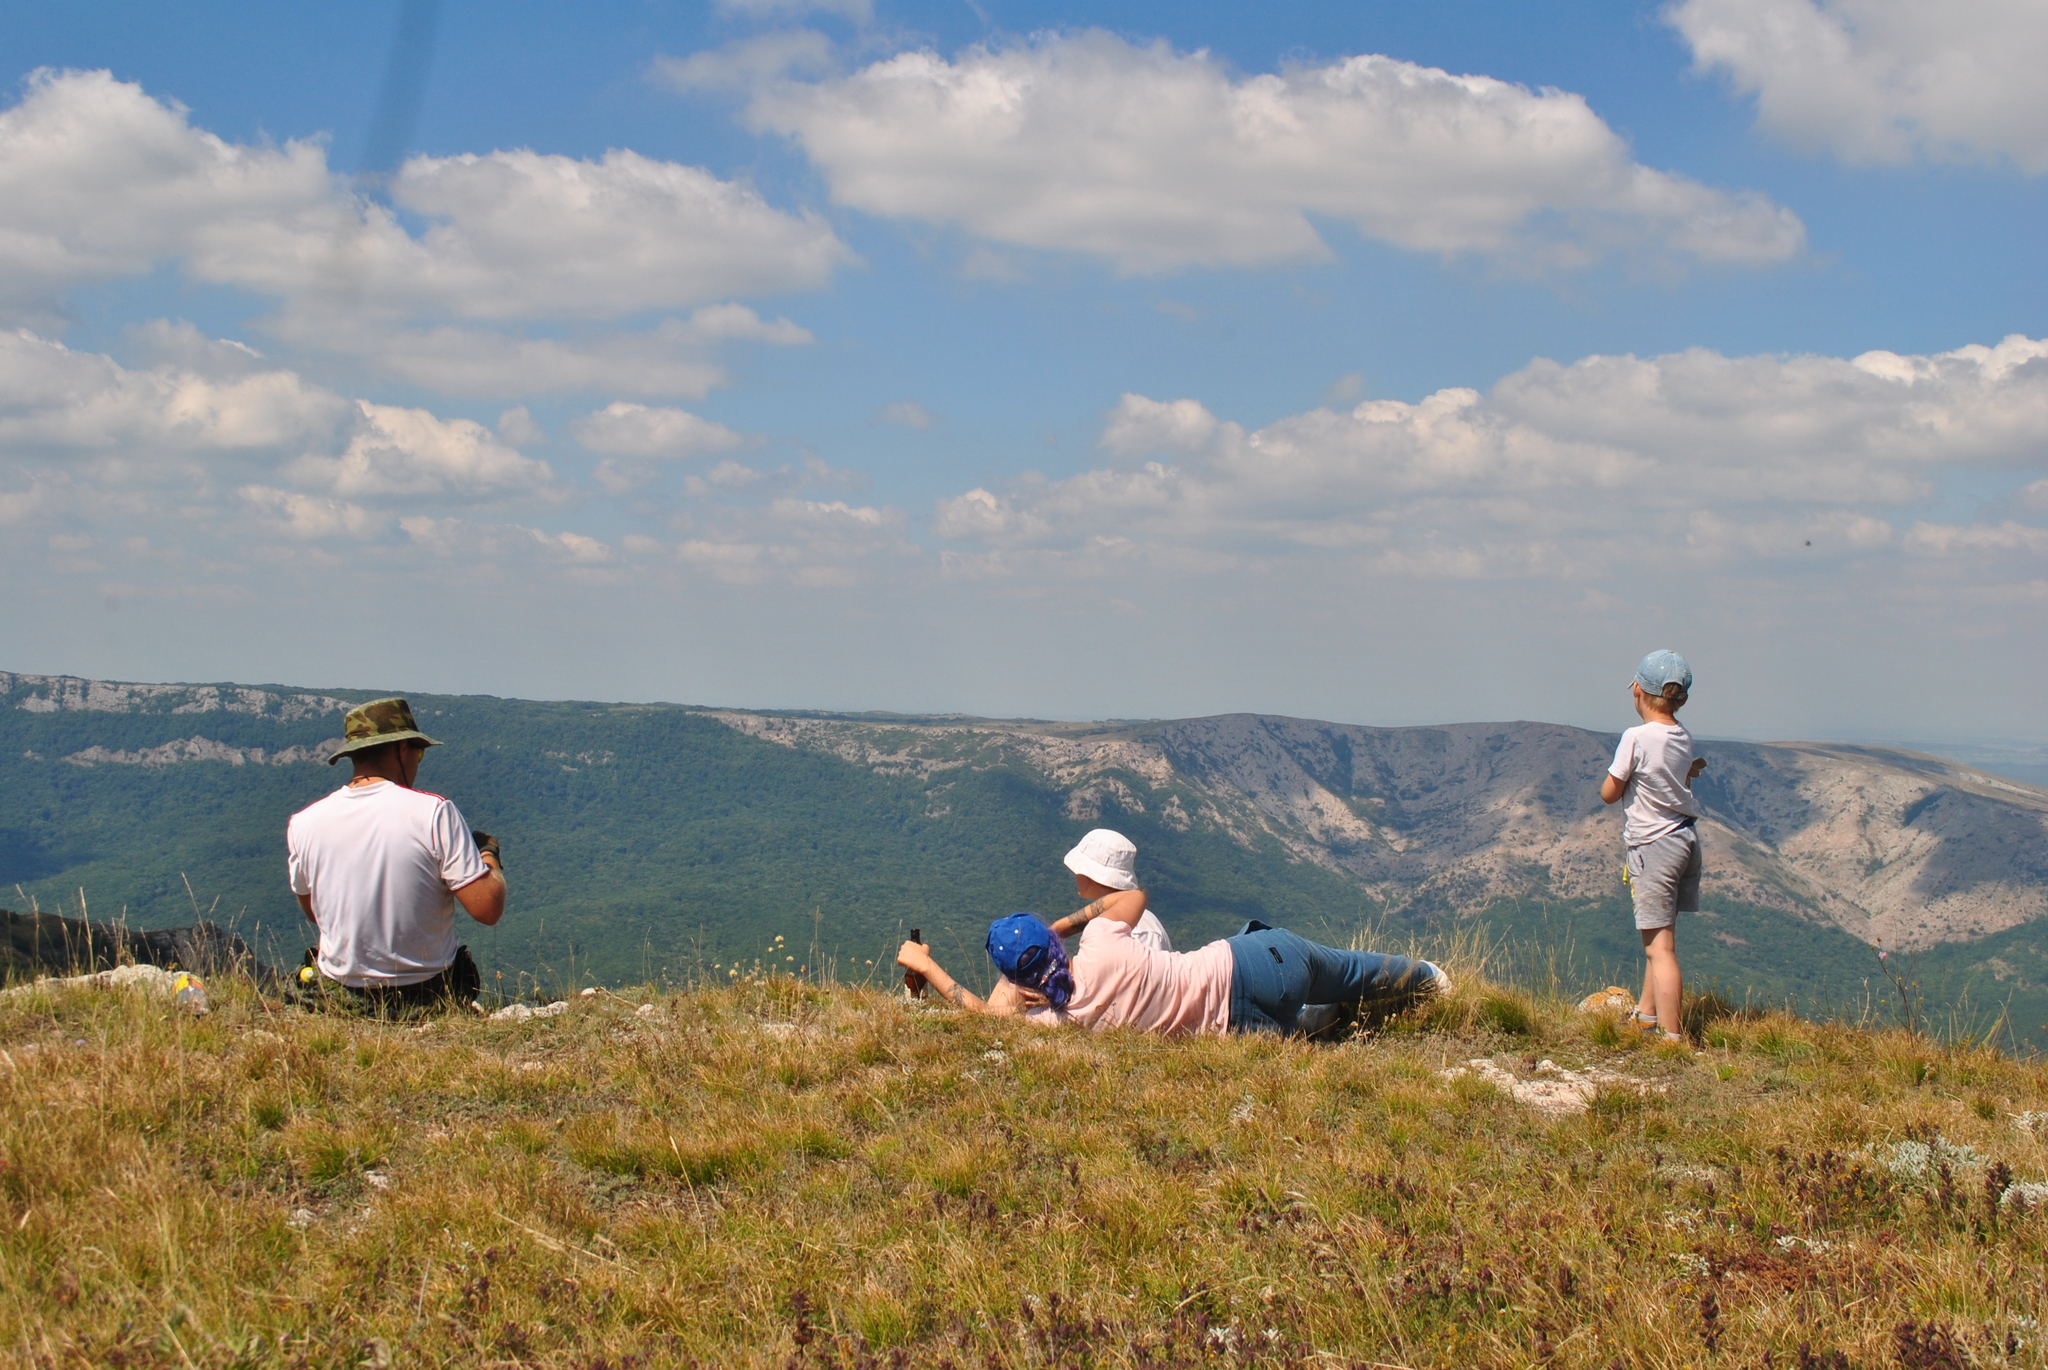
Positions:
{"x": 1028, "y": 954}
{"x": 1663, "y": 667}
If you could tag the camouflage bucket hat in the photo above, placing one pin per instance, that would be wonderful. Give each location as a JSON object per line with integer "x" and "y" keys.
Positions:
{"x": 376, "y": 723}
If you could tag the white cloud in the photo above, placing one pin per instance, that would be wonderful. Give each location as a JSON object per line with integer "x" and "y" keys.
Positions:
{"x": 521, "y": 235}
{"x": 1140, "y": 425}
{"x": 53, "y": 399}
{"x": 1885, "y": 81}
{"x": 742, "y": 65}
{"x": 255, "y": 429}
{"x": 1158, "y": 160}
{"x": 395, "y": 451}
{"x": 215, "y": 459}
{"x": 517, "y": 427}
{"x": 1558, "y": 471}
{"x": 314, "y": 517}
{"x": 459, "y": 539}
{"x": 812, "y": 543}
{"x": 647, "y": 432}
{"x": 908, "y": 414}
{"x": 1947, "y": 540}
{"x": 98, "y": 180}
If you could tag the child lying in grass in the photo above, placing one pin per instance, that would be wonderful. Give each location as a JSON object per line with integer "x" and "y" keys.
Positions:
{"x": 1257, "y": 981}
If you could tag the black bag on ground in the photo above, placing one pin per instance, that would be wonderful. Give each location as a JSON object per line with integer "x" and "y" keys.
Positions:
{"x": 456, "y": 987}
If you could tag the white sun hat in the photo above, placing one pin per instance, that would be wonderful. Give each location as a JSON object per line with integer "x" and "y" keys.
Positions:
{"x": 1107, "y": 858}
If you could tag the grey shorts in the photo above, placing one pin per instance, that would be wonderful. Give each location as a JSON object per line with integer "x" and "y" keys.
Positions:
{"x": 1665, "y": 876}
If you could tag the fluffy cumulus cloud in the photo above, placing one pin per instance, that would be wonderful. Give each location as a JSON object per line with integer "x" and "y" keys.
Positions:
{"x": 99, "y": 179}
{"x": 214, "y": 455}
{"x": 520, "y": 235}
{"x": 56, "y": 402}
{"x": 1157, "y": 159}
{"x": 1885, "y": 81}
{"x": 1560, "y": 471}
{"x": 212, "y": 430}
{"x": 394, "y": 451}
{"x": 647, "y": 431}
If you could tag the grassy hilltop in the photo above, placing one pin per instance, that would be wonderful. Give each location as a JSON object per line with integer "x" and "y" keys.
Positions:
{"x": 775, "y": 1172}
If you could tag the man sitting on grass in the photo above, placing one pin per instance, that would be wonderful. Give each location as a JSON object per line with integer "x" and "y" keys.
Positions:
{"x": 379, "y": 867}
{"x": 1258, "y": 981}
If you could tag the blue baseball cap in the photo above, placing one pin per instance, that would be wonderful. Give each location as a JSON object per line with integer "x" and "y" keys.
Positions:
{"x": 1028, "y": 954}
{"x": 1663, "y": 667}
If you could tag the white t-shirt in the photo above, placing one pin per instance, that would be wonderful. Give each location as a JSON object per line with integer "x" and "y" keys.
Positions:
{"x": 1152, "y": 932}
{"x": 1653, "y": 759}
{"x": 382, "y": 864}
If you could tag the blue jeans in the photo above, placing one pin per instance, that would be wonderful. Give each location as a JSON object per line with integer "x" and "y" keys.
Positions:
{"x": 1274, "y": 974}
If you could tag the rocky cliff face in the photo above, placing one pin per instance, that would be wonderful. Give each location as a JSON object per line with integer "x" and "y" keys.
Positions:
{"x": 48, "y": 694}
{"x": 1890, "y": 844}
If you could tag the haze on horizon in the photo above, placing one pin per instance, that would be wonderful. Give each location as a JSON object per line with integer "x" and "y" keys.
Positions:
{"x": 1372, "y": 363}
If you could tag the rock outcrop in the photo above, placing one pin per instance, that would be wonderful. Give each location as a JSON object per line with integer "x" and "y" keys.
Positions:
{"x": 40, "y": 944}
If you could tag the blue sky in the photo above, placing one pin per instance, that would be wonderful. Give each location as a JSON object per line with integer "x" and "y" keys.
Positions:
{"x": 1371, "y": 362}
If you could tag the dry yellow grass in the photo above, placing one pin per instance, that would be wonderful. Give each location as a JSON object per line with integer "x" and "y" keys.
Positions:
{"x": 783, "y": 1174}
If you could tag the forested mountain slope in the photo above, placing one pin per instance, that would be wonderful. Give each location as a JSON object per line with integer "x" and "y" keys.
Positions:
{"x": 644, "y": 839}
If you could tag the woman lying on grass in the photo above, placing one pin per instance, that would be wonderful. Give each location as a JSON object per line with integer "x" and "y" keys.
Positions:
{"x": 1258, "y": 981}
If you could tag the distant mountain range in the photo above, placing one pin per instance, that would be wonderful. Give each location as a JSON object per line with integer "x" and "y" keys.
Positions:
{"x": 1884, "y": 844}
{"x": 651, "y": 837}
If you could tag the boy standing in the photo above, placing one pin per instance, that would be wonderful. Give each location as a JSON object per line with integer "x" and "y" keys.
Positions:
{"x": 1654, "y": 769}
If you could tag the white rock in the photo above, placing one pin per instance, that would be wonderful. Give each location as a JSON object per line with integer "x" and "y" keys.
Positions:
{"x": 519, "y": 1013}
{"x": 185, "y": 989}
{"x": 1562, "y": 1093}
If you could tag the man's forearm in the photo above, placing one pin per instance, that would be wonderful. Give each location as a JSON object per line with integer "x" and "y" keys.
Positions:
{"x": 951, "y": 990}
{"x": 1079, "y": 918}
{"x": 484, "y": 898}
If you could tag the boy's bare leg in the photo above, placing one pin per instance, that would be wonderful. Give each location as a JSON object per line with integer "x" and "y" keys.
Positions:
{"x": 1661, "y": 981}
{"x": 1646, "y": 1005}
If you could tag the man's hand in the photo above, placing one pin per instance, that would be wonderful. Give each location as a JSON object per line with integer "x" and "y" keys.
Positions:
{"x": 918, "y": 957}
{"x": 484, "y": 897}
{"x": 1699, "y": 765}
